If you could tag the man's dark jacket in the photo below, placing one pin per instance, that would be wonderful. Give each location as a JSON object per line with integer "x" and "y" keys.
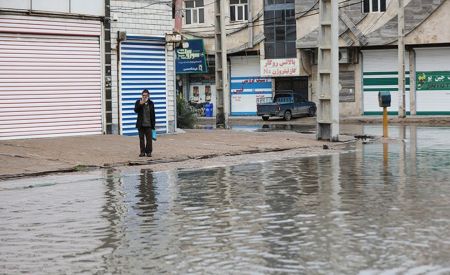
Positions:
{"x": 139, "y": 109}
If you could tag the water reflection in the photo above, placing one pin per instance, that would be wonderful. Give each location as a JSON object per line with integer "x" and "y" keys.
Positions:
{"x": 147, "y": 201}
{"x": 382, "y": 207}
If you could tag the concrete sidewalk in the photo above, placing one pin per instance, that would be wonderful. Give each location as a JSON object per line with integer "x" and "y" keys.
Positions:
{"x": 47, "y": 155}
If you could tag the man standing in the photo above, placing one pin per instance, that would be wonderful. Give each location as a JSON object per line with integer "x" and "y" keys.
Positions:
{"x": 145, "y": 123}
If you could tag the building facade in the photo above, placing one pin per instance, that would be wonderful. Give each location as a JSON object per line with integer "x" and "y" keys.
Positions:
{"x": 141, "y": 59}
{"x": 76, "y": 67}
{"x": 272, "y": 45}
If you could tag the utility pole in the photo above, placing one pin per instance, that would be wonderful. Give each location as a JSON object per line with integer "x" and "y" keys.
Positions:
{"x": 222, "y": 85}
{"x": 328, "y": 67}
{"x": 401, "y": 60}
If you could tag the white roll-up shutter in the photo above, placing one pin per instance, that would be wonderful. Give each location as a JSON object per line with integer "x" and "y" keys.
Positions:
{"x": 437, "y": 62}
{"x": 142, "y": 66}
{"x": 247, "y": 87}
{"x": 380, "y": 73}
{"x": 50, "y": 77}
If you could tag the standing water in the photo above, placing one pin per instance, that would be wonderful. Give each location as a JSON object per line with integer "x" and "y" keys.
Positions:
{"x": 375, "y": 209}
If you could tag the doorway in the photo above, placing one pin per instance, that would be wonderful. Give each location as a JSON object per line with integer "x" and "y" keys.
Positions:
{"x": 298, "y": 85}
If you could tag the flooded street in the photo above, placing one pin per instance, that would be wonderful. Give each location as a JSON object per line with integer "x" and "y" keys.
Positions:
{"x": 377, "y": 208}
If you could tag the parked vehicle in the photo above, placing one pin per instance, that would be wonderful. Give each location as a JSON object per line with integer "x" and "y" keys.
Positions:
{"x": 286, "y": 104}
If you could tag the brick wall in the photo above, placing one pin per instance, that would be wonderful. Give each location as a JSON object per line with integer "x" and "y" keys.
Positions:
{"x": 140, "y": 17}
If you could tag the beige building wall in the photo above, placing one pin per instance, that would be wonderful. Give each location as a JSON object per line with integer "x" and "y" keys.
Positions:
{"x": 434, "y": 29}
{"x": 238, "y": 33}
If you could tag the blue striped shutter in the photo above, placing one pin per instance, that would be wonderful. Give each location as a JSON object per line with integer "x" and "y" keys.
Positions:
{"x": 143, "y": 66}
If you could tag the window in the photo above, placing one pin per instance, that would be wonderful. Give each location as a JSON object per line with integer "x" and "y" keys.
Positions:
{"x": 280, "y": 33}
{"x": 238, "y": 10}
{"x": 195, "y": 12}
{"x": 374, "y": 6}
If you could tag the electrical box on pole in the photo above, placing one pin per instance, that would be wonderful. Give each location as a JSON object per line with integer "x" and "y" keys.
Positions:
{"x": 328, "y": 72}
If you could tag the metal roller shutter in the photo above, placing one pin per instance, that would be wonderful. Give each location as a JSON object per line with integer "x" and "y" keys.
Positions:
{"x": 50, "y": 85}
{"x": 380, "y": 73}
{"x": 434, "y": 65}
{"x": 247, "y": 87}
{"x": 142, "y": 66}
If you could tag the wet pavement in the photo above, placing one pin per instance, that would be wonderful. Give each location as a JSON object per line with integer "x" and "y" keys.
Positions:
{"x": 377, "y": 208}
{"x": 298, "y": 128}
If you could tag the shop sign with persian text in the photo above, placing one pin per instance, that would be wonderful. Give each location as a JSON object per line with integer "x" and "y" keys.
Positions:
{"x": 433, "y": 81}
{"x": 280, "y": 67}
{"x": 191, "y": 59}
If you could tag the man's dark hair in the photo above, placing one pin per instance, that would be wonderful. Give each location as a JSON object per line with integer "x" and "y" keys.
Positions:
{"x": 145, "y": 91}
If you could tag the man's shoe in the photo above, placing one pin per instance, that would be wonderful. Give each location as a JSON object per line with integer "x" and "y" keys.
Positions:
{"x": 149, "y": 154}
{"x": 142, "y": 155}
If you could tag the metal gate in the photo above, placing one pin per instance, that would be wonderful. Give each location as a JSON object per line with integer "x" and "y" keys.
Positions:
{"x": 247, "y": 87}
{"x": 50, "y": 77}
{"x": 380, "y": 73}
{"x": 142, "y": 66}
{"x": 433, "y": 81}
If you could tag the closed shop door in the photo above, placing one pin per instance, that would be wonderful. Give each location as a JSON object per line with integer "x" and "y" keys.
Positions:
{"x": 380, "y": 73}
{"x": 50, "y": 84}
{"x": 142, "y": 66}
{"x": 433, "y": 81}
{"x": 247, "y": 86}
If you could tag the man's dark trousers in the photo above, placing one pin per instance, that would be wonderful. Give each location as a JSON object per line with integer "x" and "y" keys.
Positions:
{"x": 145, "y": 135}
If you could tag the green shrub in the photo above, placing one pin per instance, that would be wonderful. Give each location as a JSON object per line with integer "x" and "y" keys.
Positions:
{"x": 186, "y": 117}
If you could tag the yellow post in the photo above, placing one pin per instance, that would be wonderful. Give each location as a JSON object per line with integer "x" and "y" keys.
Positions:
{"x": 385, "y": 122}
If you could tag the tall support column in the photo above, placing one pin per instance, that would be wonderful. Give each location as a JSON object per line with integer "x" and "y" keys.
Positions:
{"x": 328, "y": 72}
{"x": 401, "y": 60}
{"x": 222, "y": 85}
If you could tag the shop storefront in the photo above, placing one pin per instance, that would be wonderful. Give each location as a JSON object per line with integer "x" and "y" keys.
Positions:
{"x": 196, "y": 73}
{"x": 433, "y": 81}
{"x": 380, "y": 71}
{"x": 247, "y": 86}
{"x": 202, "y": 93}
{"x": 143, "y": 66}
{"x": 51, "y": 77}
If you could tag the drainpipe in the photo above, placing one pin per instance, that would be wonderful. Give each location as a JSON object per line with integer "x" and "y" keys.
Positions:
{"x": 174, "y": 89}
{"x": 412, "y": 82}
{"x": 107, "y": 68}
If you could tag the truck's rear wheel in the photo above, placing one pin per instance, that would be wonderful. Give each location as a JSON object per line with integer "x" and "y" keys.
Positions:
{"x": 311, "y": 111}
{"x": 265, "y": 118}
{"x": 287, "y": 115}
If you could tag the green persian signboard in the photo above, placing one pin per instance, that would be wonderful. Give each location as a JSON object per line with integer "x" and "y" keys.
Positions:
{"x": 433, "y": 81}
